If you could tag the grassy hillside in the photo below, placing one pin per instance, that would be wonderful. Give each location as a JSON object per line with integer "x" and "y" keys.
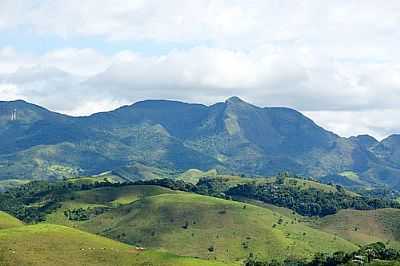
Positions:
{"x": 193, "y": 175}
{"x": 215, "y": 228}
{"x": 8, "y": 221}
{"x": 47, "y": 244}
{"x": 103, "y": 197}
{"x": 363, "y": 227}
{"x": 121, "y": 195}
{"x": 11, "y": 183}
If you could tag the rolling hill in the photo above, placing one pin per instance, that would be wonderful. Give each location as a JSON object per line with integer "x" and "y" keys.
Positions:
{"x": 8, "y": 221}
{"x": 47, "y": 244}
{"x": 164, "y": 222}
{"x": 364, "y": 227}
{"x": 166, "y": 138}
{"x": 217, "y": 229}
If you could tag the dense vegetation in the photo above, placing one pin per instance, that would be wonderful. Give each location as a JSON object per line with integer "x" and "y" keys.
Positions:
{"x": 31, "y": 202}
{"x": 163, "y": 138}
{"x": 81, "y": 214}
{"x": 309, "y": 202}
{"x": 366, "y": 254}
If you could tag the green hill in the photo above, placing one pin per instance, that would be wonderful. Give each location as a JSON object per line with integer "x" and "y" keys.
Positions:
{"x": 8, "y": 221}
{"x": 109, "y": 197}
{"x": 193, "y": 175}
{"x": 364, "y": 227}
{"x": 193, "y": 225}
{"x": 47, "y": 244}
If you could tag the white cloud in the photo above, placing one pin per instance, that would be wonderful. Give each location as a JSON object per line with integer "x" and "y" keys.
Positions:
{"x": 264, "y": 76}
{"x": 336, "y": 60}
{"x": 9, "y": 92}
{"x": 377, "y": 123}
{"x": 341, "y": 24}
{"x": 80, "y": 62}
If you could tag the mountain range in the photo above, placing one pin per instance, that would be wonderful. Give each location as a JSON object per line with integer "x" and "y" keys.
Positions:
{"x": 172, "y": 137}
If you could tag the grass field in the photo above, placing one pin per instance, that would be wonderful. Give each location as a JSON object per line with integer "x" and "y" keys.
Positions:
{"x": 10, "y": 183}
{"x": 8, "y": 221}
{"x": 47, "y": 244}
{"x": 120, "y": 195}
{"x": 193, "y": 175}
{"x": 351, "y": 175}
{"x": 103, "y": 197}
{"x": 362, "y": 227}
{"x": 199, "y": 226}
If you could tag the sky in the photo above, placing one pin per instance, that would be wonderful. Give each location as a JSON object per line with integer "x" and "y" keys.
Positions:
{"x": 336, "y": 61}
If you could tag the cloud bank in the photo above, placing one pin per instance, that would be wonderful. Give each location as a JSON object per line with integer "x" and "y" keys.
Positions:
{"x": 336, "y": 61}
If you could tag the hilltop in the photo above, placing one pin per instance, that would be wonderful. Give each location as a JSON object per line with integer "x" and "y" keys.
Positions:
{"x": 224, "y": 230}
{"x": 8, "y": 221}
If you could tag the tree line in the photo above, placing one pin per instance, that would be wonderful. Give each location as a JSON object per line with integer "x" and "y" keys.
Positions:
{"x": 305, "y": 201}
{"x": 33, "y": 201}
{"x": 363, "y": 256}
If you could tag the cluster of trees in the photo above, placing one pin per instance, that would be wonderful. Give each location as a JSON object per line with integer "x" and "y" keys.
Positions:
{"x": 168, "y": 183}
{"x": 45, "y": 195}
{"x": 365, "y": 255}
{"x": 210, "y": 186}
{"x": 308, "y": 202}
{"x": 81, "y": 214}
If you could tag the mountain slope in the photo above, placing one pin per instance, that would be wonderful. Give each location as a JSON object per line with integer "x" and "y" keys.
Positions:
{"x": 232, "y": 136}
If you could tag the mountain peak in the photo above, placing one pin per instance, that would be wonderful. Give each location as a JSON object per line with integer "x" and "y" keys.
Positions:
{"x": 394, "y": 138}
{"x": 235, "y": 100}
{"x": 365, "y": 140}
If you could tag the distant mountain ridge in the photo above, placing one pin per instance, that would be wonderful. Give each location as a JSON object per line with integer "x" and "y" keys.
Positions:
{"x": 230, "y": 136}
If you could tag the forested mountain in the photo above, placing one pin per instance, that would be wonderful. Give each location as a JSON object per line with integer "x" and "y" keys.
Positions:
{"x": 231, "y": 136}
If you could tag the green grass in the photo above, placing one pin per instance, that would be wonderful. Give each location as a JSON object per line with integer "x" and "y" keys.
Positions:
{"x": 103, "y": 197}
{"x": 10, "y": 183}
{"x": 351, "y": 175}
{"x": 98, "y": 178}
{"x": 46, "y": 244}
{"x": 189, "y": 225}
{"x": 310, "y": 184}
{"x": 307, "y": 184}
{"x": 8, "y": 221}
{"x": 167, "y": 259}
{"x": 275, "y": 209}
{"x": 384, "y": 263}
{"x": 138, "y": 171}
{"x": 120, "y": 195}
{"x": 363, "y": 227}
{"x": 193, "y": 175}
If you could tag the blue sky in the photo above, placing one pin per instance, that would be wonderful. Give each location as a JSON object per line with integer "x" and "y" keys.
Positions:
{"x": 336, "y": 61}
{"x": 30, "y": 42}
